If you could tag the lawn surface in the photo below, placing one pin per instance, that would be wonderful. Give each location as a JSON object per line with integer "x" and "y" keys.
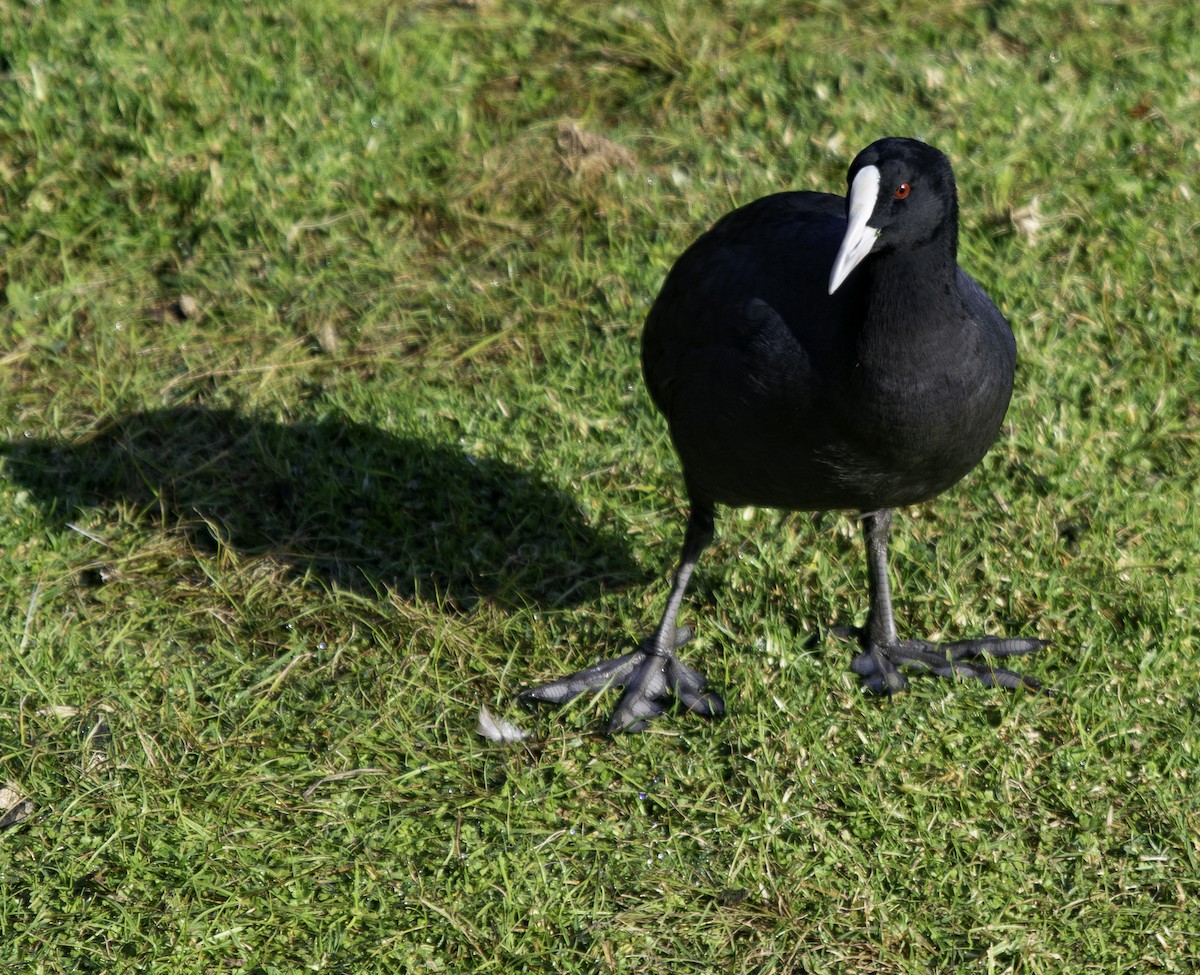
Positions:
{"x": 321, "y": 426}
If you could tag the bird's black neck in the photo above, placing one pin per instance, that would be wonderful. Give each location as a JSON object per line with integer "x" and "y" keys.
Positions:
{"x": 911, "y": 288}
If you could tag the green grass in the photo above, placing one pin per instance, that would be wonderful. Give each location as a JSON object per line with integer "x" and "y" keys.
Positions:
{"x": 321, "y": 424}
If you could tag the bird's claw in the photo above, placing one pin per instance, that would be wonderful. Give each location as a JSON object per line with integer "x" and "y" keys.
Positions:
{"x": 647, "y": 677}
{"x": 879, "y": 664}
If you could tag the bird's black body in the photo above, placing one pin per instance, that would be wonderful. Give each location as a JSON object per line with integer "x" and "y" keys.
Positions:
{"x": 781, "y": 395}
{"x": 817, "y": 352}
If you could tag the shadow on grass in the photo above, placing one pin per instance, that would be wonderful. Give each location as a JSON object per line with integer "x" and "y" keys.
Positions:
{"x": 350, "y": 503}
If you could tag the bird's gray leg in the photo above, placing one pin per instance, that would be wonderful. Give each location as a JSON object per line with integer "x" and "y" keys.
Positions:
{"x": 659, "y": 669}
{"x": 881, "y": 624}
{"x": 696, "y": 539}
{"x": 650, "y": 671}
{"x": 876, "y": 667}
{"x": 883, "y": 653}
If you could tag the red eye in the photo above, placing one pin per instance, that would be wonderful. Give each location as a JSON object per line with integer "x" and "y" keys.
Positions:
{"x": 902, "y": 191}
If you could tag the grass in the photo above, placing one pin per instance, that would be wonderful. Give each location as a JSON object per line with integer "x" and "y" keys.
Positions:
{"x": 322, "y": 425}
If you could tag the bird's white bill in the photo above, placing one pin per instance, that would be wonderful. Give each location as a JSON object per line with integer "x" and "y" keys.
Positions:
{"x": 860, "y": 237}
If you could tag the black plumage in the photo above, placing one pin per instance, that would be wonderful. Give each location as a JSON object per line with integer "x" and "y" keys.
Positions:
{"x": 816, "y": 352}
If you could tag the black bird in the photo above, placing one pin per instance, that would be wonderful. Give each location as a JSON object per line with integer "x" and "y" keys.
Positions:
{"x": 812, "y": 352}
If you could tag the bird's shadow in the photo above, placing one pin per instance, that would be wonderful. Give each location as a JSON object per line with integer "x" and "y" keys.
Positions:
{"x": 345, "y": 502}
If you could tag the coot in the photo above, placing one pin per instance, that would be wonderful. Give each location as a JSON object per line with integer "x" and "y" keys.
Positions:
{"x": 815, "y": 352}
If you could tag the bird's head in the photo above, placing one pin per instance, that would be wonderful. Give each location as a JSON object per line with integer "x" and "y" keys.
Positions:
{"x": 902, "y": 195}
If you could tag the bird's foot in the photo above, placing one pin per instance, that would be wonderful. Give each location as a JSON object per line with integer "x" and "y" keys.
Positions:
{"x": 879, "y": 665}
{"x": 646, "y": 676}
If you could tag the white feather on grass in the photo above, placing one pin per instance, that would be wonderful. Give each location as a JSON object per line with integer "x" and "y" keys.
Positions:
{"x": 497, "y": 729}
